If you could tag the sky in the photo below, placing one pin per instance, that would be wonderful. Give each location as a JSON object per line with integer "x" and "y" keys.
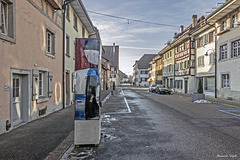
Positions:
{"x": 136, "y": 39}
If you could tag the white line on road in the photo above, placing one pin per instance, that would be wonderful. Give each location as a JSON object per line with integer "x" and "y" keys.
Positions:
{"x": 129, "y": 110}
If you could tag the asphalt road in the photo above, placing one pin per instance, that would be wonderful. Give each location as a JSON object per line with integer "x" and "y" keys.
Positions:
{"x": 166, "y": 127}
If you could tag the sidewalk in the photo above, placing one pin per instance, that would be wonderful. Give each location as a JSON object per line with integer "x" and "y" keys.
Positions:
{"x": 49, "y": 137}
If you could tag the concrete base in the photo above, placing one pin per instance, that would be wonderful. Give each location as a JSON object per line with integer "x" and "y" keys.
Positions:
{"x": 87, "y": 132}
{"x": 196, "y": 97}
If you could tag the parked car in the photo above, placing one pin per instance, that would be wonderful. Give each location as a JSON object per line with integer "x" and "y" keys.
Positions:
{"x": 163, "y": 89}
{"x": 152, "y": 88}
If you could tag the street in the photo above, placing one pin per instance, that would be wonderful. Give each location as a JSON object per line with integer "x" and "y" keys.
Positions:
{"x": 166, "y": 127}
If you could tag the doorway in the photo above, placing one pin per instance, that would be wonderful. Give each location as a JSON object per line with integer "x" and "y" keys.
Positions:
{"x": 185, "y": 86}
{"x": 20, "y": 97}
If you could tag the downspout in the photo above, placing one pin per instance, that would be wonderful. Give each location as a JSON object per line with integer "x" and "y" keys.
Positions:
{"x": 63, "y": 53}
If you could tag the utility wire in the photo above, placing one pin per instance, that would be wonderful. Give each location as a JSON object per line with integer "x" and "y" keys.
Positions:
{"x": 131, "y": 19}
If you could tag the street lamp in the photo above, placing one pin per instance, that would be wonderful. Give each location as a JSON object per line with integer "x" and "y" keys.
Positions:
{"x": 65, "y": 3}
{"x": 215, "y": 61}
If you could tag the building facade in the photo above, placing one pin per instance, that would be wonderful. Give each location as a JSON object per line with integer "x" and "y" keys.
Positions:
{"x": 159, "y": 67}
{"x": 152, "y": 72}
{"x": 140, "y": 70}
{"x": 168, "y": 66}
{"x": 31, "y": 42}
{"x": 112, "y": 54}
{"x": 226, "y": 20}
{"x": 77, "y": 25}
{"x": 204, "y": 37}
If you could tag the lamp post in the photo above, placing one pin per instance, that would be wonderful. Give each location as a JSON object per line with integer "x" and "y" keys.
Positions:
{"x": 215, "y": 55}
{"x": 65, "y": 3}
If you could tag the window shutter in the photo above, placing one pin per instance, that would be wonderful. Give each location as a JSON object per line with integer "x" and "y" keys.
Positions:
{"x": 35, "y": 84}
{"x": 50, "y": 84}
{"x": 53, "y": 45}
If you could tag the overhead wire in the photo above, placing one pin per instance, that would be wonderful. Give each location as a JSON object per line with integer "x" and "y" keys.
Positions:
{"x": 131, "y": 19}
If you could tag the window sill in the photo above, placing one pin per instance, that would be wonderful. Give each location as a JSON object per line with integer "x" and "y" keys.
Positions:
{"x": 67, "y": 55}
{"x": 75, "y": 28}
{"x": 6, "y": 38}
{"x": 224, "y": 31}
{"x": 68, "y": 19}
{"x": 42, "y": 99}
{"x": 51, "y": 55}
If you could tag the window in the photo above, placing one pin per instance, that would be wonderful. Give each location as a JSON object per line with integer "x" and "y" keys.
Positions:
{"x": 224, "y": 25}
{"x": 50, "y": 43}
{"x": 40, "y": 84}
{"x": 4, "y": 17}
{"x": 225, "y": 81}
{"x": 223, "y": 52}
{"x": 170, "y": 53}
{"x": 200, "y": 42}
{"x": 201, "y": 61}
{"x": 7, "y": 20}
{"x": 211, "y": 58}
{"x": 75, "y": 22}
{"x": 235, "y": 48}
{"x": 234, "y": 21}
{"x": 67, "y": 45}
{"x": 83, "y": 32}
{"x": 68, "y": 12}
{"x": 16, "y": 87}
{"x": 211, "y": 36}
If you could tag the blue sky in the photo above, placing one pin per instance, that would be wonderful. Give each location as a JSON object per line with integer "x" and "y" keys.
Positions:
{"x": 136, "y": 39}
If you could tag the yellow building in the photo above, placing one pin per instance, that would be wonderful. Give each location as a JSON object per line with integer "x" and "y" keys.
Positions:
{"x": 78, "y": 25}
{"x": 168, "y": 65}
{"x": 159, "y": 68}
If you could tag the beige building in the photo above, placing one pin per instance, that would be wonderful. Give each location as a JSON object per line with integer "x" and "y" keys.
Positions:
{"x": 77, "y": 25}
{"x": 31, "y": 42}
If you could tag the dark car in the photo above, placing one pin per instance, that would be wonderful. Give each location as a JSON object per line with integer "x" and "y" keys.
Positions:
{"x": 163, "y": 89}
{"x": 152, "y": 88}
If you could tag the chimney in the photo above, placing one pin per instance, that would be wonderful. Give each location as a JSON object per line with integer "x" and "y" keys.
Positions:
{"x": 181, "y": 28}
{"x": 114, "y": 49}
{"x": 194, "y": 21}
{"x": 175, "y": 35}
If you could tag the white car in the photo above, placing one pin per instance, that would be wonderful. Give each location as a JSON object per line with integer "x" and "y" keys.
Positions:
{"x": 152, "y": 88}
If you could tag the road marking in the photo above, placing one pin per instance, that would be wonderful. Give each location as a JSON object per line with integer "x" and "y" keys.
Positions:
{"x": 229, "y": 112}
{"x": 129, "y": 110}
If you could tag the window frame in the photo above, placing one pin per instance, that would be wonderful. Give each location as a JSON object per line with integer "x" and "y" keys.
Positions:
{"x": 40, "y": 87}
{"x": 225, "y": 80}
{"x": 51, "y": 52}
{"x": 237, "y": 48}
{"x": 11, "y": 21}
{"x": 67, "y": 45}
{"x": 223, "y": 52}
{"x": 75, "y": 22}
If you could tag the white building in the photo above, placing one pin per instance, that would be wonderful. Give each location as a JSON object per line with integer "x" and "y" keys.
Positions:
{"x": 204, "y": 36}
{"x": 227, "y": 20}
{"x": 140, "y": 70}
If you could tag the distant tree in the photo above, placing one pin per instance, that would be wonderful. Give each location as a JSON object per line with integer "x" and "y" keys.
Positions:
{"x": 200, "y": 86}
{"x": 113, "y": 85}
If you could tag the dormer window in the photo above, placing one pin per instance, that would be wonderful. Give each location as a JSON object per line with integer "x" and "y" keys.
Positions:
{"x": 234, "y": 21}
{"x": 224, "y": 25}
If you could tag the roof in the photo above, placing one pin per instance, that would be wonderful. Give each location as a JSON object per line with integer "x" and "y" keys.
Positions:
{"x": 113, "y": 57}
{"x": 53, "y": 4}
{"x": 82, "y": 14}
{"x": 143, "y": 62}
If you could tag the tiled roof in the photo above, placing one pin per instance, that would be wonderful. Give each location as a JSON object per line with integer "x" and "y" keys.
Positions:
{"x": 143, "y": 63}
